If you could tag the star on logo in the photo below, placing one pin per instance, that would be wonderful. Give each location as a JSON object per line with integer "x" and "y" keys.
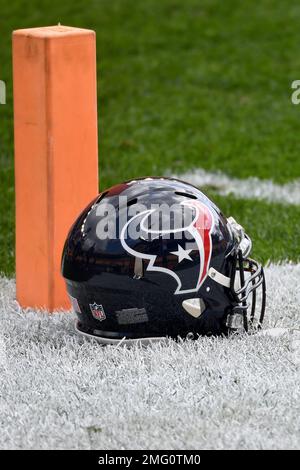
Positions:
{"x": 182, "y": 254}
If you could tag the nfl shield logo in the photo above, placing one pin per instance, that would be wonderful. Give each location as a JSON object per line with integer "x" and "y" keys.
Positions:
{"x": 97, "y": 311}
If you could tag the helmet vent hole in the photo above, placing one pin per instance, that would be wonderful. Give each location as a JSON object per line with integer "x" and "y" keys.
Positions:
{"x": 132, "y": 202}
{"x": 191, "y": 196}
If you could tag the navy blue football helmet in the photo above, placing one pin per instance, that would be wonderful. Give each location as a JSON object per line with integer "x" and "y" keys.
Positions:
{"x": 153, "y": 258}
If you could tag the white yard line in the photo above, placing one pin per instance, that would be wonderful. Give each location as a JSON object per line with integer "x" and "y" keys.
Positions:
{"x": 249, "y": 188}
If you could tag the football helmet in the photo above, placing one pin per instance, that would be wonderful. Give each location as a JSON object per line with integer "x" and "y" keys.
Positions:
{"x": 155, "y": 257}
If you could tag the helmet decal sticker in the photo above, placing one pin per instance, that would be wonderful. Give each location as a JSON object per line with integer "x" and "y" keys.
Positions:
{"x": 199, "y": 230}
{"x": 128, "y": 316}
{"x": 97, "y": 311}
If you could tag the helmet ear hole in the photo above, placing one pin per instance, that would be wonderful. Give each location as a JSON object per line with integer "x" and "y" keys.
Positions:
{"x": 194, "y": 306}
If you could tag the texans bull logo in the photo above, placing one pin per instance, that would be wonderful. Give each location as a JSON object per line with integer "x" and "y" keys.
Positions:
{"x": 199, "y": 232}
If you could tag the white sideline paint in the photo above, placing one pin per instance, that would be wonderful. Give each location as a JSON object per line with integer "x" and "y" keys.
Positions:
{"x": 249, "y": 188}
{"x": 59, "y": 390}
{"x": 2, "y": 92}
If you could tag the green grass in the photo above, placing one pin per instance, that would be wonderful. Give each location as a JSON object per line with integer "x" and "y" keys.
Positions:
{"x": 180, "y": 84}
{"x": 272, "y": 227}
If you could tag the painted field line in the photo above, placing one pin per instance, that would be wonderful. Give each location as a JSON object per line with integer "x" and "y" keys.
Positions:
{"x": 249, "y": 188}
